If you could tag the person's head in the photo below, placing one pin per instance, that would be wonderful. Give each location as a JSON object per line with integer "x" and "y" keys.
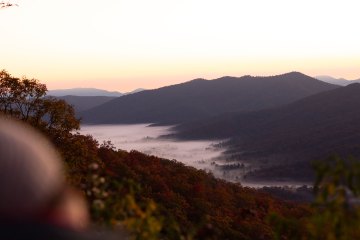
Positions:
{"x": 32, "y": 182}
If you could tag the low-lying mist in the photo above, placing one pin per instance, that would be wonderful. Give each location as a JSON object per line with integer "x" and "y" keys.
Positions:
{"x": 205, "y": 155}
{"x": 141, "y": 137}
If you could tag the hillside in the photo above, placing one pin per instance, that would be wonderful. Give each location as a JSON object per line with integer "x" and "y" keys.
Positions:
{"x": 198, "y": 202}
{"x": 289, "y": 136}
{"x": 205, "y": 98}
{"x": 82, "y": 103}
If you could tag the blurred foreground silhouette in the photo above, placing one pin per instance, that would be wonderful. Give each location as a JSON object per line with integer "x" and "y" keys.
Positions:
{"x": 35, "y": 201}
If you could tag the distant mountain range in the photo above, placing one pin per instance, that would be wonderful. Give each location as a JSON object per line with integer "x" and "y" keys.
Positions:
{"x": 82, "y": 103}
{"x": 337, "y": 81}
{"x": 87, "y": 92}
{"x": 284, "y": 140}
{"x": 83, "y": 99}
{"x": 199, "y": 98}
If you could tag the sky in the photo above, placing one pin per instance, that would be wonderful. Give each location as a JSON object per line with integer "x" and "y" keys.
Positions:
{"x": 126, "y": 44}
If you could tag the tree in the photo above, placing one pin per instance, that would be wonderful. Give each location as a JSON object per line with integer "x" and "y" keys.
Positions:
{"x": 25, "y": 99}
{"x": 335, "y": 212}
{"x": 20, "y": 97}
{"x": 337, "y": 209}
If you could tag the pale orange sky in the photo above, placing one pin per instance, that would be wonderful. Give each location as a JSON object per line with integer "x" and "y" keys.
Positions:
{"x": 125, "y": 44}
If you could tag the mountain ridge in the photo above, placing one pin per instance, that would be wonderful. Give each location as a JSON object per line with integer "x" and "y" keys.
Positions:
{"x": 83, "y": 92}
{"x": 89, "y": 92}
{"x": 200, "y": 98}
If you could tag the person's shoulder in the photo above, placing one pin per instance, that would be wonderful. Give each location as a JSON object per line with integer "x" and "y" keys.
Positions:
{"x": 32, "y": 231}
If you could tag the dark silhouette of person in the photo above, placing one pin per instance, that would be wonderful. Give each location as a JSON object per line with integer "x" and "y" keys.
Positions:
{"x": 35, "y": 202}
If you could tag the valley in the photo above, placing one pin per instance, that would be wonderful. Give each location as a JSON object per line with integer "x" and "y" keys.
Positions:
{"x": 270, "y": 129}
{"x": 202, "y": 154}
{"x": 180, "y": 120}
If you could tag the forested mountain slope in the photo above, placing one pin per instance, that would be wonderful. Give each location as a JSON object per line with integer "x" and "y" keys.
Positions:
{"x": 205, "y": 98}
{"x": 311, "y": 128}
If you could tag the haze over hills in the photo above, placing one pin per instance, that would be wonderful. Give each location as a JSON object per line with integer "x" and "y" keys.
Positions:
{"x": 337, "y": 81}
{"x": 83, "y": 92}
{"x": 201, "y": 98}
{"x": 87, "y": 92}
{"x": 284, "y": 140}
{"x": 135, "y": 91}
{"x": 86, "y": 98}
{"x": 82, "y": 103}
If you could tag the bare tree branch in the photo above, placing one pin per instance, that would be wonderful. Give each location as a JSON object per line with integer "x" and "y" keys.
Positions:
{"x": 7, "y": 4}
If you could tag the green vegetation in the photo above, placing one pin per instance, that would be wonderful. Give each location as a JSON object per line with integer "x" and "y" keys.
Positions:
{"x": 335, "y": 211}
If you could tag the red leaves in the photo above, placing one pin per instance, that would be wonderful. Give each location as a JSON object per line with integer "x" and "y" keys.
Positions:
{"x": 195, "y": 198}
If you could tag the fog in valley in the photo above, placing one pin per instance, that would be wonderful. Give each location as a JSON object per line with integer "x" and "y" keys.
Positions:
{"x": 143, "y": 138}
{"x": 205, "y": 155}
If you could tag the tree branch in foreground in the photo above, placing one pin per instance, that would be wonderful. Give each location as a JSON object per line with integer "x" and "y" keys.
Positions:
{"x": 7, "y": 4}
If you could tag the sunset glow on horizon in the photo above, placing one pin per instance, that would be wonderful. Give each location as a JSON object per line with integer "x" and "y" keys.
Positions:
{"x": 127, "y": 44}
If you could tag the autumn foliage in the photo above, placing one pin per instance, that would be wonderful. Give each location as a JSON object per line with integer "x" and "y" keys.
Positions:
{"x": 206, "y": 207}
{"x": 152, "y": 197}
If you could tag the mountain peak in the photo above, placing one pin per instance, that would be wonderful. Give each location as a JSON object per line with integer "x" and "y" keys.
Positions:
{"x": 294, "y": 74}
{"x": 289, "y": 75}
